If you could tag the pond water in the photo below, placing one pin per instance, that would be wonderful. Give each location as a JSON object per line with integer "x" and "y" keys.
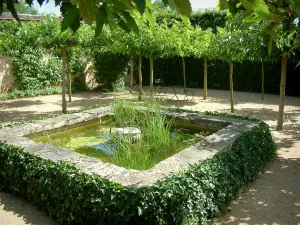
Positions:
{"x": 93, "y": 138}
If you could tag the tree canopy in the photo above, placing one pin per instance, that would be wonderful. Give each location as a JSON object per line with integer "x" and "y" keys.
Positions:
{"x": 22, "y": 7}
{"x": 270, "y": 15}
{"x": 113, "y": 13}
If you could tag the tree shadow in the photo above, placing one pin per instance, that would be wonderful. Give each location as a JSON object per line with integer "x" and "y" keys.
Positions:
{"x": 16, "y": 116}
{"x": 223, "y": 96}
{"x": 26, "y": 212}
{"x": 291, "y": 127}
{"x": 273, "y": 198}
{"x": 19, "y": 103}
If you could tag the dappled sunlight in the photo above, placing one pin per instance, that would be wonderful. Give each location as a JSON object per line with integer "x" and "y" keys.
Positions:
{"x": 21, "y": 210}
{"x": 272, "y": 199}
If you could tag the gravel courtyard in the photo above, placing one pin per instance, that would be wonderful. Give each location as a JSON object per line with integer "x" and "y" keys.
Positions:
{"x": 271, "y": 200}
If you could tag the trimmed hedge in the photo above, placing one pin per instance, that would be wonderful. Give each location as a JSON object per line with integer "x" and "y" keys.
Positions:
{"x": 204, "y": 19}
{"x": 190, "y": 197}
{"x": 246, "y": 75}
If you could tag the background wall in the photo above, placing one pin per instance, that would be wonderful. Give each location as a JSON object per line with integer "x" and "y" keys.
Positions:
{"x": 6, "y": 77}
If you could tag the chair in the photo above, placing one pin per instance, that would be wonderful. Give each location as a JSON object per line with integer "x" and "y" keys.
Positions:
{"x": 190, "y": 92}
{"x": 158, "y": 81}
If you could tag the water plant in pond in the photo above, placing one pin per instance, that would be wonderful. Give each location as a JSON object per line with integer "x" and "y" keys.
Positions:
{"x": 98, "y": 138}
{"x": 158, "y": 140}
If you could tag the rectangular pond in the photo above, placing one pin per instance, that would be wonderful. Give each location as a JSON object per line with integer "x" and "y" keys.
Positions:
{"x": 92, "y": 124}
{"x": 97, "y": 138}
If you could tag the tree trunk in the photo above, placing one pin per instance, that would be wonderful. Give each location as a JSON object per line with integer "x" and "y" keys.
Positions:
{"x": 205, "y": 79}
{"x": 140, "y": 78}
{"x": 282, "y": 92}
{"x": 140, "y": 72}
{"x": 262, "y": 82}
{"x": 63, "y": 81}
{"x": 69, "y": 79}
{"x": 151, "y": 78}
{"x": 183, "y": 68}
{"x": 131, "y": 71}
{"x": 231, "y": 86}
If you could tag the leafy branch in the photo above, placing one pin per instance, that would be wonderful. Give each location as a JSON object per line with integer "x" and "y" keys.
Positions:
{"x": 277, "y": 6}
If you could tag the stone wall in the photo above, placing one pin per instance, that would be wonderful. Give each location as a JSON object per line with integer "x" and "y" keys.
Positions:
{"x": 6, "y": 77}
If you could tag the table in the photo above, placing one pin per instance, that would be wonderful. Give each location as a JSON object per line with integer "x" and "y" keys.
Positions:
{"x": 161, "y": 92}
{"x": 176, "y": 90}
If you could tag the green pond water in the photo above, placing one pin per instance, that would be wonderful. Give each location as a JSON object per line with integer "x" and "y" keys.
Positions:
{"x": 93, "y": 138}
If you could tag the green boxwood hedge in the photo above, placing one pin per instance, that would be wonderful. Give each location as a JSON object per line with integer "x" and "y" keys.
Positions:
{"x": 190, "y": 197}
{"x": 246, "y": 75}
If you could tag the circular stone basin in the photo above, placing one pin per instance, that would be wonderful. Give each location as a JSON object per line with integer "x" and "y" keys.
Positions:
{"x": 134, "y": 133}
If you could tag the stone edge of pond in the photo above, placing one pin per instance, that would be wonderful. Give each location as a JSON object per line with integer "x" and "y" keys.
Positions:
{"x": 229, "y": 130}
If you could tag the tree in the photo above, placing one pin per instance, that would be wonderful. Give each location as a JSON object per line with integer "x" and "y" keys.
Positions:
{"x": 126, "y": 43}
{"x": 181, "y": 35}
{"x": 202, "y": 49}
{"x": 62, "y": 41}
{"x": 113, "y": 12}
{"x": 23, "y": 8}
{"x": 229, "y": 45}
{"x": 155, "y": 43}
{"x": 271, "y": 15}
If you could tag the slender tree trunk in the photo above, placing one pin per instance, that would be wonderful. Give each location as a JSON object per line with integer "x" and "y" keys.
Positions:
{"x": 63, "y": 81}
{"x": 151, "y": 78}
{"x": 183, "y": 68}
{"x": 140, "y": 71}
{"x": 69, "y": 79}
{"x": 205, "y": 79}
{"x": 131, "y": 71}
{"x": 262, "y": 81}
{"x": 282, "y": 92}
{"x": 231, "y": 86}
{"x": 140, "y": 78}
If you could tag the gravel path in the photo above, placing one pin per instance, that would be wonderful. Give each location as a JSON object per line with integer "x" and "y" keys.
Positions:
{"x": 274, "y": 198}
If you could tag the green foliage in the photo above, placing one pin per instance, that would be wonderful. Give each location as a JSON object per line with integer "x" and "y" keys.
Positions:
{"x": 34, "y": 69}
{"x": 30, "y": 93}
{"x": 247, "y": 75}
{"x": 39, "y": 180}
{"x": 23, "y": 8}
{"x": 110, "y": 68}
{"x": 196, "y": 194}
{"x": 154, "y": 41}
{"x": 202, "y": 43}
{"x": 115, "y": 13}
{"x": 34, "y": 66}
{"x": 266, "y": 14}
{"x": 118, "y": 85}
{"x": 229, "y": 46}
{"x": 35, "y": 49}
{"x": 208, "y": 19}
{"x": 156, "y": 143}
{"x": 207, "y": 188}
{"x": 78, "y": 84}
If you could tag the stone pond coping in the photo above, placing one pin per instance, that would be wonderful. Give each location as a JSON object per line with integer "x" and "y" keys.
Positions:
{"x": 229, "y": 130}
